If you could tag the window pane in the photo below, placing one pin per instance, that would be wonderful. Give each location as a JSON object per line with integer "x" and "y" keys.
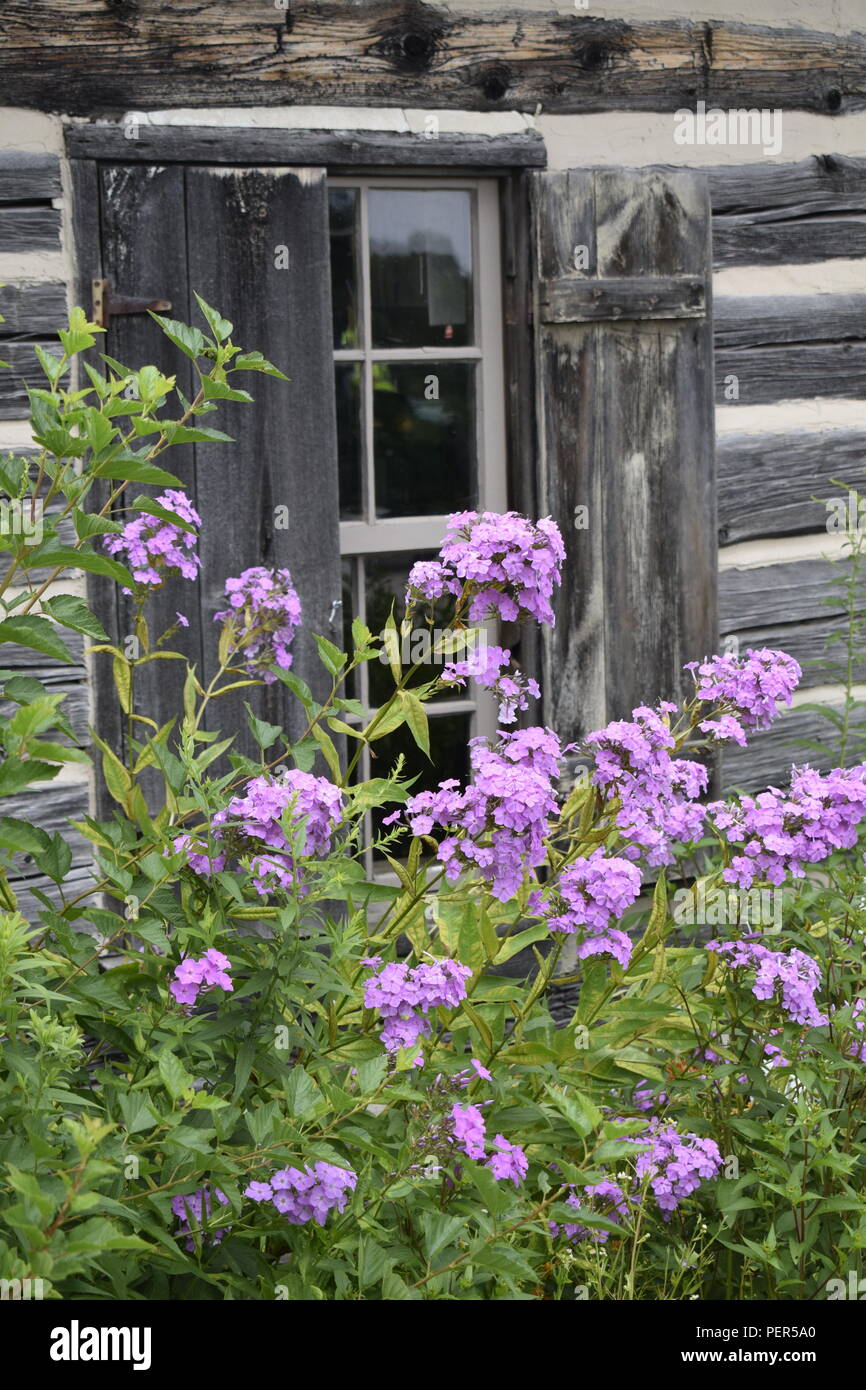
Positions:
{"x": 343, "y": 212}
{"x": 424, "y": 438}
{"x": 386, "y": 584}
{"x": 449, "y": 757}
{"x": 421, "y": 267}
{"x": 349, "y": 437}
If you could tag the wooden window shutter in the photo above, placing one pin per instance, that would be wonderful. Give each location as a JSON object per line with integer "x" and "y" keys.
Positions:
{"x": 254, "y": 244}
{"x": 624, "y": 379}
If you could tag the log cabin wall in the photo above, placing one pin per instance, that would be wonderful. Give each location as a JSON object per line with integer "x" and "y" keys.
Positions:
{"x": 602, "y": 90}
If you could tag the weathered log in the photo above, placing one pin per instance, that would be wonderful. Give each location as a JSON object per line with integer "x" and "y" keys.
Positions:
{"x": 84, "y": 56}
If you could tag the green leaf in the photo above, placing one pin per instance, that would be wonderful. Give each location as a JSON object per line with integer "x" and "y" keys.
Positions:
{"x": 84, "y": 560}
{"x": 73, "y": 613}
{"x": 416, "y": 719}
{"x": 302, "y": 1093}
{"x": 37, "y": 633}
{"x": 147, "y": 504}
{"x": 189, "y": 340}
{"x": 15, "y": 774}
{"x": 254, "y": 362}
{"x": 56, "y": 860}
{"x": 219, "y": 327}
{"x": 173, "y": 1074}
{"x": 19, "y": 837}
{"x": 265, "y": 734}
{"x": 135, "y": 470}
{"x": 332, "y": 658}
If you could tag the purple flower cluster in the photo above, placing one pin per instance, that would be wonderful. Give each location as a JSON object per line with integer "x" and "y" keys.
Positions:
{"x": 604, "y": 1198}
{"x": 487, "y": 668}
{"x": 404, "y": 995}
{"x": 748, "y": 689}
{"x": 796, "y": 976}
{"x": 675, "y": 1163}
{"x": 780, "y": 832}
{"x": 858, "y": 1018}
{"x": 657, "y": 793}
{"x": 503, "y": 814}
{"x": 192, "y": 976}
{"x": 307, "y": 1195}
{"x": 198, "y": 1205}
{"x": 469, "y": 1130}
{"x": 508, "y": 564}
{"x": 253, "y": 822}
{"x": 264, "y": 609}
{"x": 155, "y": 549}
{"x": 589, "y": 894}
{"x": 509, "y": 1161}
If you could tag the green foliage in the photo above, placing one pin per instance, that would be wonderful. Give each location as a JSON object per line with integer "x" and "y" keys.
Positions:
{"x": 115, "y": 1100}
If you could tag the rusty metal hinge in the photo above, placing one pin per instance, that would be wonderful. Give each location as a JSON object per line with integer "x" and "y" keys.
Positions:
{"x": 106, "y": 304}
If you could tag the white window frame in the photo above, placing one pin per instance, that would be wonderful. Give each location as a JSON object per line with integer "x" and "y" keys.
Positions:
{"x": 422, "y": 534}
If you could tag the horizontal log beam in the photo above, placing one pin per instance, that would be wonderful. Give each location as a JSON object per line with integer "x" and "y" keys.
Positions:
{"x": 749, "y": 241}
{"x": 765, "y": 375}
{"x": 23, "y": 373}
{"x": 764, "y": 595}
{"x": 32, "y": 310}
{"x": 26, "y": 178}
{"x": 135, "y": 143}
{"x": 29, "y": 229}
{"x": 767, "y": 760}
{"x": 746, "y": 321}
{"x": 85, "y": 56}
{"x": 822, "y": 183}
{"x": 594, "y": 301}
{"x": 768, "y": 483}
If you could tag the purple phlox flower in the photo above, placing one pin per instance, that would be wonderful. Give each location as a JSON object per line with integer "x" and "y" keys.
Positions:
{"x": 604, "y": 1198}
{"x": 468, "y": 1130}
{"x": 749, "y": 687}
{"x": 264, "y": 610}
{"x": 508, "y": 565}
{"x": 777, "y": 833}
{"x": 253, "y": 824}
{"x": 590, "y": 894}
{"x": 792, "y": 977}
{"x": 193, "y": 976}
{"x": 498, "y": 823}
{"x": 404, "y": 995}
{"x": 154, "y": 549}
{"x": 197, "y": 1206}
{"x": 308, "y": 1194}
{"x": 657, "y": 793}
{"x": 675, "y": 1163}
{"x": 508, "y": 1162}
{"x": 487, "y": 667}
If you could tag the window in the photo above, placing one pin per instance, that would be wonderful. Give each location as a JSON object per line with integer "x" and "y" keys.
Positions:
{"x": 417, "y": 332}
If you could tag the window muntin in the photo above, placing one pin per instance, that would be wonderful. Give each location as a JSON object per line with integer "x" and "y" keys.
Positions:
{"x": 416, "y": 288}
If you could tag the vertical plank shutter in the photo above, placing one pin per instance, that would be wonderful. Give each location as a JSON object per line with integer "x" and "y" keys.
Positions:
{"x": 254, "y": 244}
{"x": 624, "y": 382}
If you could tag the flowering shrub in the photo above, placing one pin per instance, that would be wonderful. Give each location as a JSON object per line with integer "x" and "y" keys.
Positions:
{"x": 234, "y": 1066}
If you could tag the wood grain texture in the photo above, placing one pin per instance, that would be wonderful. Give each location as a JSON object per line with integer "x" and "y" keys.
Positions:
{"x": 763, "y": 595}
{"x": 744, "y": 241}
{"x": 32, "y": 309}
{"x": 823, "y": 183}
{"x": 84, "y": 56}
{"x": 27, "y": 178}
{"x": 285, "y": 453}
{"x": 779, "y": 484}
{"x": 364, "y": 148}
{"x": 575, "y": 301}
{"x": 29, "y": 229}
{"x": 638, "y": 597}
{"x": 793, "y": 371}
{"x": 746, "y": 321}
{"x": 768, "y": 759}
